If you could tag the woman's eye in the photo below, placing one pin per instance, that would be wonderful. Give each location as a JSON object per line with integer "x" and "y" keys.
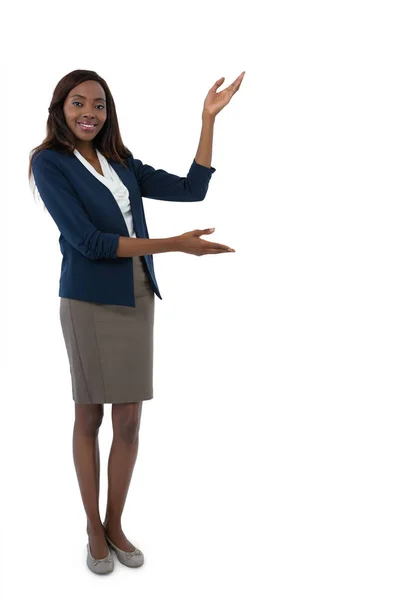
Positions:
{"x": 77, "y": 102}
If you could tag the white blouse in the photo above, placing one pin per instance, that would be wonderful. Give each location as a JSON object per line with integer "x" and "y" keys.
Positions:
{"x": 115, "y": 185}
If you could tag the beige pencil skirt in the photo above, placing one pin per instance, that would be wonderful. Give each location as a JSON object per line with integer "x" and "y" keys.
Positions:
{"x": 110, "y": 347}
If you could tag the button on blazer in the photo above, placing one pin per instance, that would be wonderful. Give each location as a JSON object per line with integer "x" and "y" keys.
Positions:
{"x": 90, "y": 220}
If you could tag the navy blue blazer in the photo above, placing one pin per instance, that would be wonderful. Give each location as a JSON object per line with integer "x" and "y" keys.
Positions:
{"x": 90, "y": 221}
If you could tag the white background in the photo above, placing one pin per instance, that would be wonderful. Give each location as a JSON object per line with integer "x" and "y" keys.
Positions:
{"x": 268, "y": 463}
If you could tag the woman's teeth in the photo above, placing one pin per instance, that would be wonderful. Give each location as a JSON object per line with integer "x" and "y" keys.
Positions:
{"x": 84, "y": 126}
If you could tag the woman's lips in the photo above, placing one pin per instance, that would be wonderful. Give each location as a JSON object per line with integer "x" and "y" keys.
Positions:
{"x": 85, "y": 128}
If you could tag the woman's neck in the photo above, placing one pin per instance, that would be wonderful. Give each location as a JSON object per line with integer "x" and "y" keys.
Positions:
{"x": 87, "y": 150}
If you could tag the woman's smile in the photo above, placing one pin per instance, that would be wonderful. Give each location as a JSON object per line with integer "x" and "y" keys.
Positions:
{"x": 86, "y": 126}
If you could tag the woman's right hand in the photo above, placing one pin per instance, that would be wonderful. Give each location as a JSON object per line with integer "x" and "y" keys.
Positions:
{"x": 191, "y": 243}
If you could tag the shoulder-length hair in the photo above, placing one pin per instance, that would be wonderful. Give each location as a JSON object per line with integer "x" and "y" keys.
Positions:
{"x": 59, "y": 136}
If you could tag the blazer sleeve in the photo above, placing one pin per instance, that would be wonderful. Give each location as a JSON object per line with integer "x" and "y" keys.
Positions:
{"x": 69, "y": 213}
{"x": 161, "y": 185}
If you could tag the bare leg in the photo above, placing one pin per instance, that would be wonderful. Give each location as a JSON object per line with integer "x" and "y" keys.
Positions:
{"x": 97, "y": 475}
{"x": 88, "y": 418}
{"x": 124, "y": 449}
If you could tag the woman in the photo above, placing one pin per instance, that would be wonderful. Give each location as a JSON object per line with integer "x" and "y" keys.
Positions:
{"x": 92, "y": 187}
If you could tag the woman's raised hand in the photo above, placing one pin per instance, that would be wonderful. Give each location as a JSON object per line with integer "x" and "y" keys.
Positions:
{"x": 191, "y": 243}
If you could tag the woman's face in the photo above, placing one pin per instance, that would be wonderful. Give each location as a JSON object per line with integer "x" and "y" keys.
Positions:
{"x": 86, "y": 103}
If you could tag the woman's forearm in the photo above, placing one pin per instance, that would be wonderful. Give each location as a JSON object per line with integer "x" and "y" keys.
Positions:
{"x": 204, "y": 150}
{"x": 133, "y": 246}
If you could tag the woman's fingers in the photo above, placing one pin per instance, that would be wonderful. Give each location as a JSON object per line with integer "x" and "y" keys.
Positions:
{"x": 222, "y": 247}
{"x": 219, "y": 250}
{"x": 213, "y": 247}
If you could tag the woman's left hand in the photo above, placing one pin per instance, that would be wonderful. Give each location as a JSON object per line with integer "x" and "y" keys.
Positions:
{"x": 215, "y": 102}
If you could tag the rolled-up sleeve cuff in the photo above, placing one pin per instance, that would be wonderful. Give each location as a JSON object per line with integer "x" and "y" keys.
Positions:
{"x": 111, "y": 242}
{"x": 201, "y": 169}
{"x": 198, "y": 179}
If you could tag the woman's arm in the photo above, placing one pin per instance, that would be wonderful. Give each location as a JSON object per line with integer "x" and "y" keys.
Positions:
{"x": 68, "y": 212}
{"x": 204, "y": 151}
{"x": 128, "y": 246}
{"x": 161, "y": 185}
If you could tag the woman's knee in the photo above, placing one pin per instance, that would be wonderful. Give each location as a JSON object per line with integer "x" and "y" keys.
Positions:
{"x": 88, "y": 417}
{"x": 126, "y": 420}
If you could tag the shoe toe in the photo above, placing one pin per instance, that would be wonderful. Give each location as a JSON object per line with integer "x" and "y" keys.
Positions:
{"x": 100, "y": 566}
{"x": 129, "y": 559}
{"x": 133, "y": 559}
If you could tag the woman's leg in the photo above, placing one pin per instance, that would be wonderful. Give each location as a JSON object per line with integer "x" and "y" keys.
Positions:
{"x": 124, "y": 448}
{"x": 88, "y": 418}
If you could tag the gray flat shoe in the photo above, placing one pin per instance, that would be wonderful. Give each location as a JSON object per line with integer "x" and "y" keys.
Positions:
{"x": 129, "y": 559}
{"x": 100, "y": 566}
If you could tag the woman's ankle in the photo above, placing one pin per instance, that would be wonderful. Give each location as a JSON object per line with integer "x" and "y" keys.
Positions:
{"x": 112, "y": 523}
{"x": 95, "y": 528}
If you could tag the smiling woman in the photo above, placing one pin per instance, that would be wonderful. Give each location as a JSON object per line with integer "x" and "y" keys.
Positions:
{"x": 93, "y": 188}
{"x": 109, "y": 346}
{"x": 82, "y": 98}
{"x": 86, "y": 116}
